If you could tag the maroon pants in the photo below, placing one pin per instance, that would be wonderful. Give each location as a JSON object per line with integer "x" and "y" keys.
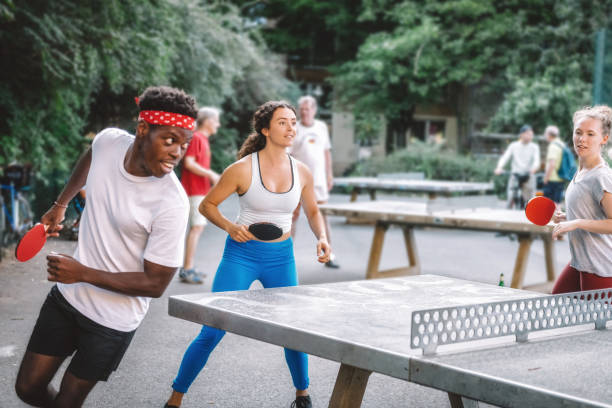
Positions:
{"x": 572, "y": 280}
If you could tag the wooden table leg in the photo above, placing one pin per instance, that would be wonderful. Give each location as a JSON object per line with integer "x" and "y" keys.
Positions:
{"x": 350, "y": 386}
{"x": 372, "y": 194}
{"x": 376, "y": 250}
{"x": 456, "y": 401}
{"x": 413, "y": 257}
{"x": 521, "y": 261}
{"x": 549, "y": 255}
{"x": 374, "y": 272}
{"x": 354, "y": 194}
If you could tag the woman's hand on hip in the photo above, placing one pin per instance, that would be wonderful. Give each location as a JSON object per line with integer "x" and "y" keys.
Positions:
{"x": 240, "y": 233}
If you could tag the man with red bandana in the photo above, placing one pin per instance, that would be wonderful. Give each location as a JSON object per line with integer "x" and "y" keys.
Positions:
{"x": 131, "y": 241}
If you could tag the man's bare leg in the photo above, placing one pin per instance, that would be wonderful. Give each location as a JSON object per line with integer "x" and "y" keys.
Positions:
{"x": 193, "y": 237}
{"x": 73, "y": 391}
{"x": 34, "y": 377}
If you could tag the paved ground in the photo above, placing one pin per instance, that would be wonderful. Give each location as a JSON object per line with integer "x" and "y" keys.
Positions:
{"x": 244, "y": 372}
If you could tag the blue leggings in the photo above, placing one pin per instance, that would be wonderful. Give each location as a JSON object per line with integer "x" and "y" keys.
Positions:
{"x": 273, "y": 264}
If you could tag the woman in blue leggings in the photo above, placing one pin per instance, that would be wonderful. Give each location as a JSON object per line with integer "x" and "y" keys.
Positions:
{"x": 270, "y": 184}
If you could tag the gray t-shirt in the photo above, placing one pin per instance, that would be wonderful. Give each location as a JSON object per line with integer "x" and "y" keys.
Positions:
{"x": 590, "y": 252}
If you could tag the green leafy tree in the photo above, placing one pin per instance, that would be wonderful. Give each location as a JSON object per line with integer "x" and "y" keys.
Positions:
{"x": 553, "y": 78}
{"x": 69, "y": 68}
{"x": 437, "y": 50}
{"x": 542, "y": 101}
{"x": 311, "y": 32}
{"x": 313, "y": 35}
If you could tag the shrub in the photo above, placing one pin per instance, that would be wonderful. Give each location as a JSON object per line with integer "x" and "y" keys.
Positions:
{"x": 434, "y": 162}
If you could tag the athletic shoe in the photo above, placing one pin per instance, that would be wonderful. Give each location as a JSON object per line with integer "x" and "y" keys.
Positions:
{"x": 332, "y": 264}
{"x": 191, "y": 276}
{"x": 302, "y": 402}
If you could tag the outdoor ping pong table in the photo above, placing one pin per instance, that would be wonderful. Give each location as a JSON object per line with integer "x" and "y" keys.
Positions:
{"x": 422, "y": 329}
{"x": 433, "y": 188}
{"x": 409, "y": 216}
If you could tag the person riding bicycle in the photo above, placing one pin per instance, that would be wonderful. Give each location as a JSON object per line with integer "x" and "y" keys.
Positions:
{"x": 525, "y": 157}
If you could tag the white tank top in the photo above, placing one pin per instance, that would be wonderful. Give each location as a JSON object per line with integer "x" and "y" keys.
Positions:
{"x": 259, "y": 204}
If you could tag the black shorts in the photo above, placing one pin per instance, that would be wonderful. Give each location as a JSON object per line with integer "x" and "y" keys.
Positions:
{"x": 61, "y": 329}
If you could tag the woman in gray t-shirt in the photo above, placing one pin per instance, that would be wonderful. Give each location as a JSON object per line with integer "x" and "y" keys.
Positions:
{"x": 589, "y": 207}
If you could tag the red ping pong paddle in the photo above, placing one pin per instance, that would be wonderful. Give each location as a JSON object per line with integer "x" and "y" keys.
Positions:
{"x": 31, "y": 243}
{"x": 540, "y": 210}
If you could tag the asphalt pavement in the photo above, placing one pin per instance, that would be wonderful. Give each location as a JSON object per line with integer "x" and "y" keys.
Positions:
{"x": 243, "y": 372}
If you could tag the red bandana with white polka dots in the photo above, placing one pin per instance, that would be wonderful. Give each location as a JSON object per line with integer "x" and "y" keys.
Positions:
{"x": 167, "y": 118}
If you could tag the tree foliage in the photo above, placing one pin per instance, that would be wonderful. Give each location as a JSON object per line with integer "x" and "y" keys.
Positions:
{"x": 311, "y": 32}
{"x": 71, "y": 67}
{"x": 556, "y": 76}
{"x": 541, "y": 101}
{"x": 437, "y": 48}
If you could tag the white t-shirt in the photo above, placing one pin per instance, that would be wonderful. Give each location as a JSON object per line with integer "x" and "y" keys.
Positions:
{"x": 126, "y": 220}
{"x": 309, "y": 147}
{"x": 525, "y": 157}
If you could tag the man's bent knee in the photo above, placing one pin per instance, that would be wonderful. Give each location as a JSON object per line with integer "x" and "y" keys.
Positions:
{"x": 34, "y": 376}
{"x": 30, "y": 393}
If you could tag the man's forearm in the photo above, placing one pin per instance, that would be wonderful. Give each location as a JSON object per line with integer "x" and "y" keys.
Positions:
{"x": 328, "y": 164}
{"x": 77, "y": 179}
{"x": 198, "y": 170}
{"x": 501, "y": 163}
{"x": 127, "y": 283}
{"x": 328, "y": 170}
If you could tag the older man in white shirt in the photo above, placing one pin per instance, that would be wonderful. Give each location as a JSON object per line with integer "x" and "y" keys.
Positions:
{"x": 524, "y": 155}
{"x": 313, "y": 148}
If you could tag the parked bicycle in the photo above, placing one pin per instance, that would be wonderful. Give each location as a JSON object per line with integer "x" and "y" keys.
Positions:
{"x": 16, "y": 214}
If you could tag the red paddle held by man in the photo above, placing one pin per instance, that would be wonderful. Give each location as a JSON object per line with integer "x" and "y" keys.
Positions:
{"x": 31, "y": 243}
